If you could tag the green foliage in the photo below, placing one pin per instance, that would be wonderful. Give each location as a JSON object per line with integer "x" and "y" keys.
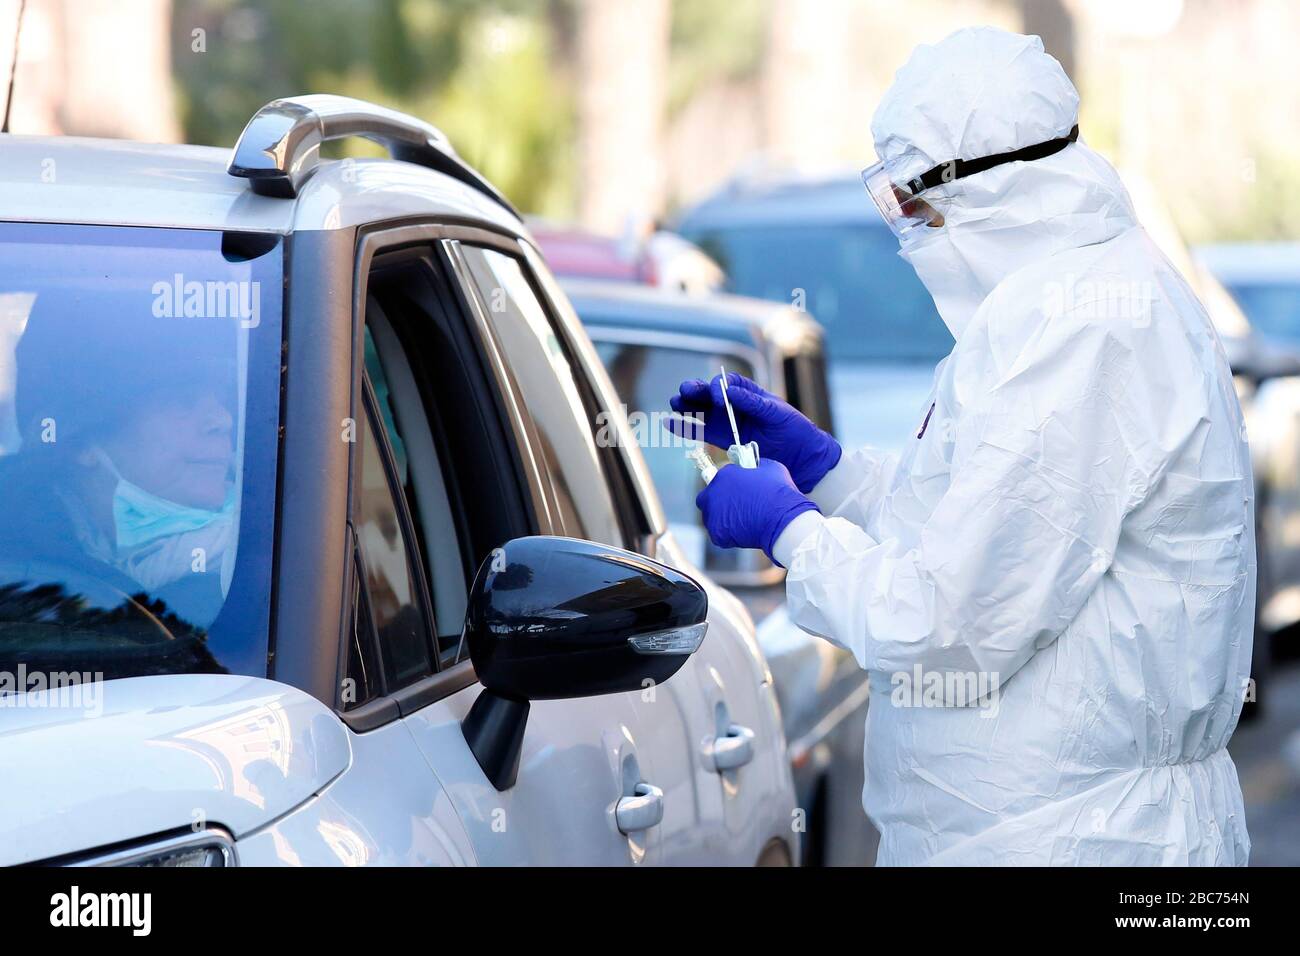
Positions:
{"x": 713, "y": 40}
{"x": 480, "y": 71}
{"x": 1259, "y": 203}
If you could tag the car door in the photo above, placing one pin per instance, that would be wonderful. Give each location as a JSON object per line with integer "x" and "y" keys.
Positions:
{"x": 460, "y": 448}
{"x": 722, "y": 699}
{"x": 820, "y": 686}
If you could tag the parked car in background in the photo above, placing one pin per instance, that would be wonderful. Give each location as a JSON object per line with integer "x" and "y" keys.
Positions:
{"x": 401, "y": 607}
{"x": 1264, "y": 280}
{"x": 650, "y": 342}
{"x": 660, "y": 259}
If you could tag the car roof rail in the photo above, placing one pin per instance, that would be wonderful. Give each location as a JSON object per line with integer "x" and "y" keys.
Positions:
{"x": 280, "y": 147}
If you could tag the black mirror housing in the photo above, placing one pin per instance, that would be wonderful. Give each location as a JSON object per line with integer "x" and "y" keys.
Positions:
{"x": 553, "y": 617}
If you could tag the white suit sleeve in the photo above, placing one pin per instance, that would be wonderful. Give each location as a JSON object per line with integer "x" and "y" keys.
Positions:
{"x": 1048, "y": 458}
{"x": 857, "y": 481}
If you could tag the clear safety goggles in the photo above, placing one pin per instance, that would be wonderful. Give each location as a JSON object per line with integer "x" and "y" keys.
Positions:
{"x": 900, "y": 202}
{"x": 902, "y": 210}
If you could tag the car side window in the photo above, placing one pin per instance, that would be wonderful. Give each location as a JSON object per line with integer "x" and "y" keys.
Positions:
{"x": 419, "y": 472}
{"x": 391, "y": 597}
{"x": 539, "y": 362}
{"x": 457, "y": 486}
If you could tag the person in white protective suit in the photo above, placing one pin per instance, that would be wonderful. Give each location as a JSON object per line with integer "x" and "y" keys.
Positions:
{"x": 1053, "y": 585}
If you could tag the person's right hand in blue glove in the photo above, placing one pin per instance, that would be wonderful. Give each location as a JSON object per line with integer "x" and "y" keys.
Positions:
{"x": 783, "y": 432}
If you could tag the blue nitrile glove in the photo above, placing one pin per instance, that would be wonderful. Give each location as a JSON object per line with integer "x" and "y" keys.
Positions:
{"x": 781, "y": 430}
{"x": 750, "y": 507}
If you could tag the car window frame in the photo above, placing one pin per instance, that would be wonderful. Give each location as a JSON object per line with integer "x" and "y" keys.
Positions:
{"x": 406, "y": 521}
{"x": 629, "y": 531}
{"x": 433, "y": 238}
{"x": 627, "y": 465}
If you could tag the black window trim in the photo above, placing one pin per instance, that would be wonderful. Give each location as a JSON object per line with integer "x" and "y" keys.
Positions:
{"x": 381, "y": 708}
{"x": 527, "y": 435}
{"x": 357, "y": 568}
{"x": 415, "y": 564}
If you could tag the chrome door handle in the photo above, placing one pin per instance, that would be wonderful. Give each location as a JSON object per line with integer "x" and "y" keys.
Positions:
{"x": 640, "y": 811}
{"x": 734, "y": 750}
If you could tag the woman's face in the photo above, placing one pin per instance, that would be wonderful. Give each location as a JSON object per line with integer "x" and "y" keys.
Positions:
{"x": 179, "y": 448}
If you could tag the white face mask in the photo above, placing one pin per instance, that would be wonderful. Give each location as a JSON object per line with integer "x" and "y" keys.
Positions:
{"x": 163, "y": 560}
{"x": 1005, "y": 218}
{"x": 957, "y": 291}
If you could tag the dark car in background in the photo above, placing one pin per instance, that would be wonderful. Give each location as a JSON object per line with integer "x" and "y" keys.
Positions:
{"x": 1264, "y": 278}
{"x": 650, "y": 341}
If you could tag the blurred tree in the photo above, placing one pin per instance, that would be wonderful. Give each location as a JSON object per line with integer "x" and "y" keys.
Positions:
{"x": 712, "y": 41}
{"x": 1259, "y": 203}
{"x": 477, "y": 69}
{"x": 1052, "y": 21}
{"x": 622, "y": 91}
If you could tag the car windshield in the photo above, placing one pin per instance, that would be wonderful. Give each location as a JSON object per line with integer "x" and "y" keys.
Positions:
{"x": 869, "y": 300}
{"x": 1272, "y": 307}
{"x": 139, "y": 411}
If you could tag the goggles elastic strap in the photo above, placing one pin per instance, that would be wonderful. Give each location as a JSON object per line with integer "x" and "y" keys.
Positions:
{"x": 960, "y": 168}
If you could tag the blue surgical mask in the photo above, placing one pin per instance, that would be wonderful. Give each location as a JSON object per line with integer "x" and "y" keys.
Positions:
{"x": 140, "y": 516}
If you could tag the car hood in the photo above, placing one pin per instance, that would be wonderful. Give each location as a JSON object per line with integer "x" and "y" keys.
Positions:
{"x": 878, "y": 404}
{"x": 125, "y": 759}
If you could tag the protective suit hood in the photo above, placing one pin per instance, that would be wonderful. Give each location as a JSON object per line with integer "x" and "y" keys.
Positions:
{"x": 978, "y": 93}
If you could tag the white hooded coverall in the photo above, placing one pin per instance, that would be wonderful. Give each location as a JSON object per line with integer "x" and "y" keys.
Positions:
{"x": 1053, "y": 585}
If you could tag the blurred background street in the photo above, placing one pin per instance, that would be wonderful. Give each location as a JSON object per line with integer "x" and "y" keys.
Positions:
{"x": 1267, "y": 754}
{"x": 601, "y": 111}
{"x": 620, "y": 127}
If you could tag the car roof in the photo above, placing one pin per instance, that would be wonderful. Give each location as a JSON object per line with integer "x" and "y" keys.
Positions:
{"x": 1246, "y": 262}
{"x": 775, "y": 200}
{"x": 118, "y": 182}
{"x": 716, "y": 315}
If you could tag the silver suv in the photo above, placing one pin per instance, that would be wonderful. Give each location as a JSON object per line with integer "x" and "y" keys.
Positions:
{"x": 322, "y": 543}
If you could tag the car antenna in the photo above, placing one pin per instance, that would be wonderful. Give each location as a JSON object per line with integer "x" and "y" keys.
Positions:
{"x": 13, "y": 67}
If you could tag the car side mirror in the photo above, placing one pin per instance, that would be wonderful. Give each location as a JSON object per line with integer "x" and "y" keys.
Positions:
{"x": 552, "y": 617}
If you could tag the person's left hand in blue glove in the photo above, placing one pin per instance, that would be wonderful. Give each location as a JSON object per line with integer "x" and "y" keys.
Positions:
{"x": 750, "y": 507}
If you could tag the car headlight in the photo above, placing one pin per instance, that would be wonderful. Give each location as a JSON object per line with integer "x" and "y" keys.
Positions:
{"x": 211, "y": 847}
